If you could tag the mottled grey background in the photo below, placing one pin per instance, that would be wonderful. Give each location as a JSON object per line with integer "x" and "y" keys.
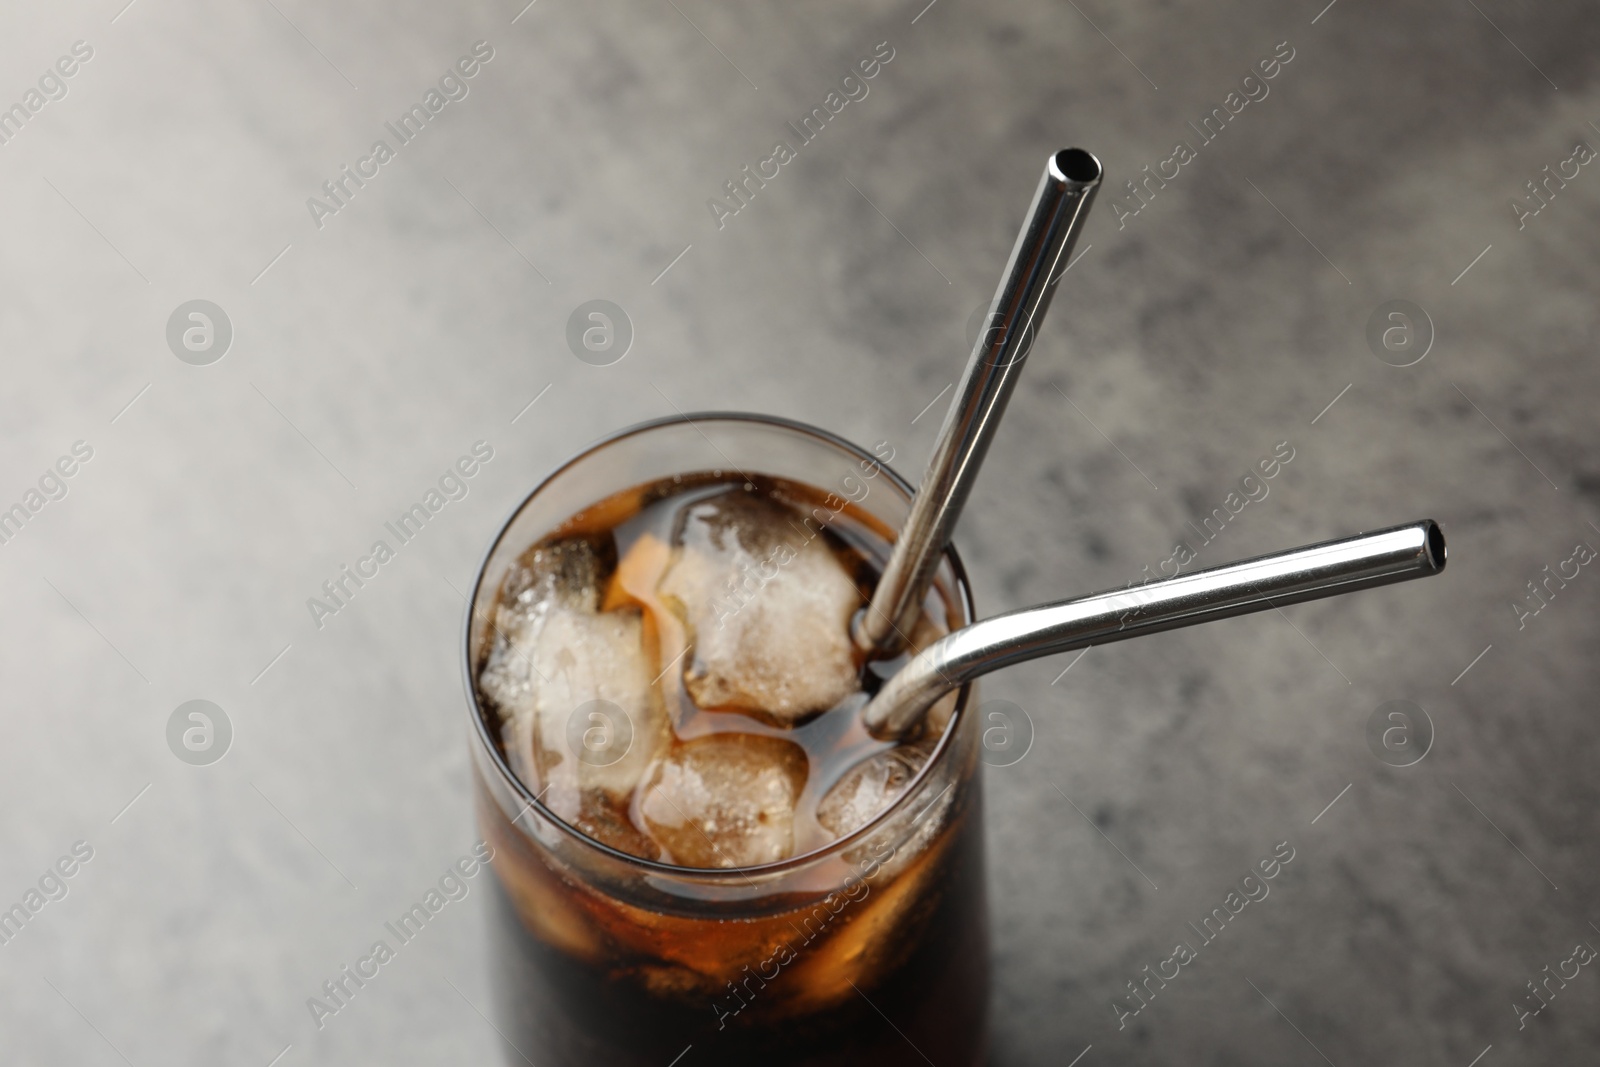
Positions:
{"x": 1219, "y": 321}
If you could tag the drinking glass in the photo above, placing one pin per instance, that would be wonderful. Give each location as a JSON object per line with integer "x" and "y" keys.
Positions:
{"x": 872, "y": 950}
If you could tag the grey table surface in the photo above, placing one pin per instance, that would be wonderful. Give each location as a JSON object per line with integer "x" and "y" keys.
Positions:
{"x": 374, "y": 345}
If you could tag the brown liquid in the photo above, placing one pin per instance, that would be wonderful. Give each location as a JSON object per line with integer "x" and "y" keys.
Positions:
{"x": 561, "y": 1009}
{"x": 892, "y": 972}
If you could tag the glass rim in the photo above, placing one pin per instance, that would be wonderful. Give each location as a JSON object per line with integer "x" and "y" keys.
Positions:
{"x": 713, "y": 874}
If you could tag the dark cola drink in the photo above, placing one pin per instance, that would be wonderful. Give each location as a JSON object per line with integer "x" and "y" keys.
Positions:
{"x": 700, "y": 851}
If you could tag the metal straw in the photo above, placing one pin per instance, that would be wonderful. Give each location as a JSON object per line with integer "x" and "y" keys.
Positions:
{"x": 1040, "y": 256}
{"x": 1328, "y": 569}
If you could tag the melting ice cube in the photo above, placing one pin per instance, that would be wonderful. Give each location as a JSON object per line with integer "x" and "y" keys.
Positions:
{"x": 869, "y": 787}
{"x": 769, "y": 605}
{"x": 573, "y": 685}
{"x": 726, "y": 800}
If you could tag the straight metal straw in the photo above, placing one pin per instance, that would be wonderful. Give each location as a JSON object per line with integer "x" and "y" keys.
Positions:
{"x": 1328, "y": 569}
{"x": 1042, "y": 252}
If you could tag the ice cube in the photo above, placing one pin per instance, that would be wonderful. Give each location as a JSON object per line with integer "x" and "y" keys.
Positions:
{"x": 564, "y": 574}
{"x": 869, "y": 787}
{"x": 594, "y": 720}
{"x": 602, "y": 818}
{"x": 573, "y": 686}
{"x": 725, "y": 800}
{"x": 769, "y": 607}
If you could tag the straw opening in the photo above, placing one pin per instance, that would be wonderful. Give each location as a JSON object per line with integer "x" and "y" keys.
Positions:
{"x": 1076, "y": 165}
{"x": 1437, "y": 554}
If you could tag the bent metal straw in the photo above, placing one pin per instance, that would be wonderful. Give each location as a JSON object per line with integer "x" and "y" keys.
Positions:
{"x": 1328, "y": 569}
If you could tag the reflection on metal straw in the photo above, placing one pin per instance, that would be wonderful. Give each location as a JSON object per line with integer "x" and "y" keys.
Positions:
{"x": 1328, "y": 569}
{"x": 1041, "y": 254}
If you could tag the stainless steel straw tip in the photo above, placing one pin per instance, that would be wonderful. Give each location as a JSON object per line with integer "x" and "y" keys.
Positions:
{"x": 1076, "y": 166}
{"x": 1438, "y": 554}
